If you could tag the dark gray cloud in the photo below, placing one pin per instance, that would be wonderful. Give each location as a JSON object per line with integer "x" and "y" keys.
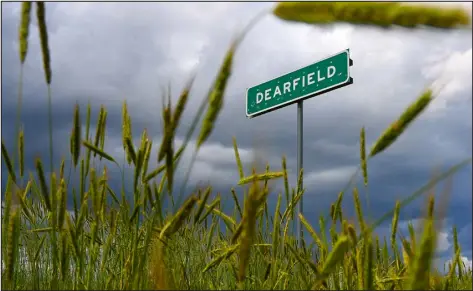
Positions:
{"x": 109, "y": 52}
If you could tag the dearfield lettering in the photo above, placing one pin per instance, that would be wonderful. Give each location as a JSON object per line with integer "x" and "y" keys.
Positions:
{"x": 290, "y": 86}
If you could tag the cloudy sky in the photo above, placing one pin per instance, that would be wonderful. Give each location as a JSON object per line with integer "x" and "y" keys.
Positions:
{"x": 108, "y": 52}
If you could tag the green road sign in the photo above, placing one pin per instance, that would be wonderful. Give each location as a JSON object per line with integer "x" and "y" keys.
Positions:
{"x": 323, "y": 76}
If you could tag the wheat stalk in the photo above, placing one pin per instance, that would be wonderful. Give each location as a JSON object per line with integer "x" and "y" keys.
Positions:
{"x": 202, "y": 204}
{"x": 252, "y": 203}
{"x": 43, "y": 37}
{"x": 62, "y": 204}
{"x": 359, "y": 212}
{"x": 421, "y": 267}
{"x": 238, "y": 160}
{"x": 394, "y": 225}
{"x": 261, "y": 177}
{"x": 8, "y": 163}
{"x": 42, "y": 183}
{"x": 371, "y": 13}
{"x": 13, "y": 240}
{"x": 216, "y": 95}
{"x": 127, "y": 134}
{"x": 23, "y": 203}
{"x": 400, "y": 125}
{"x": 24, "y": 29}
{"x": 98, "y": 130}
{"x": 98, "y": 151}
{"x": 237, "y": 203}
{"x": 168, "y": 128}
{"x": 368, "y": 267}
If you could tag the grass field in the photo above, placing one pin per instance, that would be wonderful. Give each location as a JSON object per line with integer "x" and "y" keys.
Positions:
{"x": 117, "y": 239}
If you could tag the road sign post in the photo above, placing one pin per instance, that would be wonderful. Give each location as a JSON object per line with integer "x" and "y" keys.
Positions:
{"x": 321, "y": 77}
{"x": 300, "y": 131}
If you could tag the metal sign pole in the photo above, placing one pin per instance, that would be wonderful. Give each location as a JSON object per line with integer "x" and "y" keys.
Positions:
{"x": 300, "y": 110}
